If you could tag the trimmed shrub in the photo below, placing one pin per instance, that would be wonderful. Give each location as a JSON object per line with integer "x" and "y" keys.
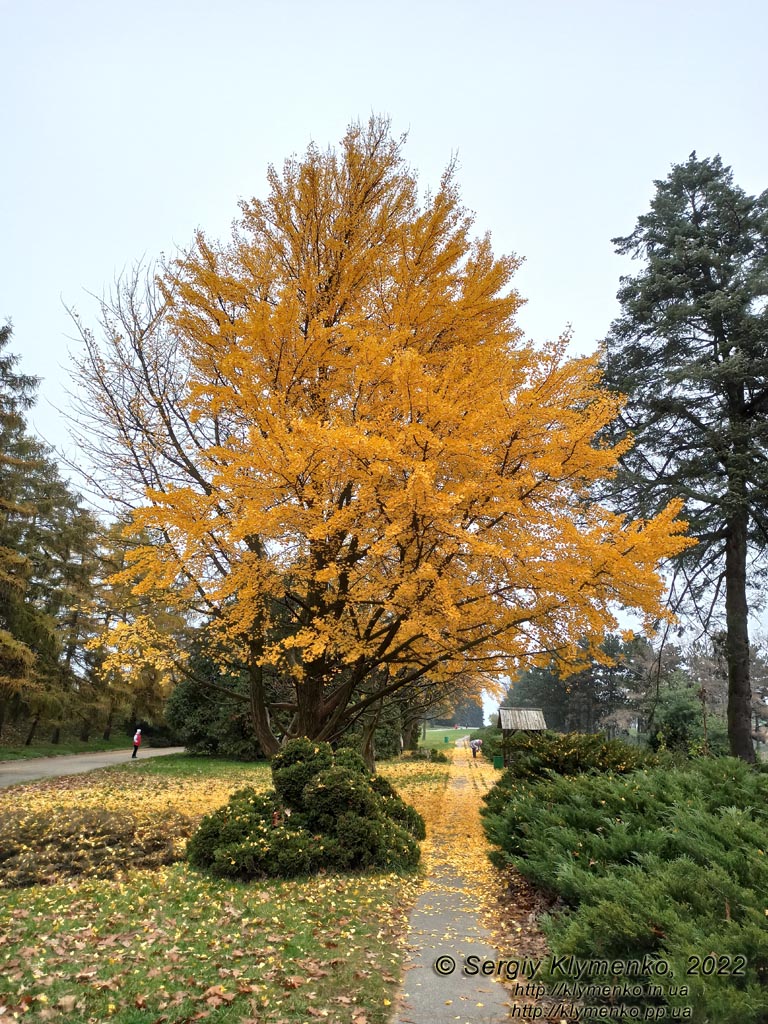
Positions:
{"x": 346, "y": 757}
{"x": 338, "y": 791}
{"x": 397, "y": 809}
{"x": 296, "y": 765}
{"x": 341, "y": 819}
{"x": 376, "y": 841}
{"x": 234, "y": 823}
{"x": 383, "y": 786}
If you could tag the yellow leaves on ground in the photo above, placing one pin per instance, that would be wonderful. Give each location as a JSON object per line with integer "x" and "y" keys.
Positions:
{"x": 456, "y": 841}
{"x": 455, "y": 835}
{"x": 172, "y": 942}
{"x": 147, "y": 796}
{"x": 175, "y": 942}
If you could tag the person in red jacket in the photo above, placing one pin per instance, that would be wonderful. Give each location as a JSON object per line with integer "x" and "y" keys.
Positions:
{"x": 136, "y": 743}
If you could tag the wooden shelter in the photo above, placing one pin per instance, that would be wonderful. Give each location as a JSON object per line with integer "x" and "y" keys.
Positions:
{"x": 512, "y": 720}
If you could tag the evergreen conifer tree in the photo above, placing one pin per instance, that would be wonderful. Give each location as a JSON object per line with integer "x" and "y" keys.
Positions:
{"x": 690, "y": 350}
{"x": 17, "y": 454}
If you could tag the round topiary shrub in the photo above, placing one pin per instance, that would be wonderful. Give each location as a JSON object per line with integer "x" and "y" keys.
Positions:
{"x": 405, "y": 816}
{"x": 376, "y": 842}
{"x": 382, "y": 786}
{"x": 238, "y": 822}
{"x": 346, "y": 757}
{"x": 342, "y": 818}
{"x": 335, "y": 792}
{"x": 397, "y": 809}
{"x": 295, "y": 765}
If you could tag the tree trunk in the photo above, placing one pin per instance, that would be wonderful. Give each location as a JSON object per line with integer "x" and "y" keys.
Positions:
{"x": 259, "y": 714}
{"x": 369, "y": 742}
{"x": 108, "y": 727}
{"x": 737, "y": 642}
{"x": 309, "y": 698}
{"x": 56, "y": 734}
{"x": 410, "y": 737}
{"x": 31, "y": 733}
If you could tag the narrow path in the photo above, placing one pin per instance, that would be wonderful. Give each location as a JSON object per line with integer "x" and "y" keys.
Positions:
{"x": 445, "y": 930}
{"x": 22, "y": 770}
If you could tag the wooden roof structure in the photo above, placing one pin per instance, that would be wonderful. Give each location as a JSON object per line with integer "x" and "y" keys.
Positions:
{"x": 512, "y": 720}
{"x": 529, "y": 719}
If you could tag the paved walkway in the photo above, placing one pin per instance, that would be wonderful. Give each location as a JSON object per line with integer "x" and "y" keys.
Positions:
{"x": 446, "y": 937}
{"x": 28, "y": 770}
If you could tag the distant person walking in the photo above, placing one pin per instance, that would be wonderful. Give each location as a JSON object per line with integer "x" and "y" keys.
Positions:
{"x": 136, "y": 743}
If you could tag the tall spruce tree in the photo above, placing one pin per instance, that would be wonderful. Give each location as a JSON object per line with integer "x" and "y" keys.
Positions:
{"x": 691, "y": 352}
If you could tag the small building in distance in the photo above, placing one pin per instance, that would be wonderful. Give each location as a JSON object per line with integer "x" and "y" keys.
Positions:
{"x": 512, "y": 720}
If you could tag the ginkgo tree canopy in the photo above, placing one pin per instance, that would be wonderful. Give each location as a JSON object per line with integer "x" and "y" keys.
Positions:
{"x": 350, "y": 460}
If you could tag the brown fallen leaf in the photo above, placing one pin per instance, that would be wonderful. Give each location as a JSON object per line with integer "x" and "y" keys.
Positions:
{"x": 293, "y": 981}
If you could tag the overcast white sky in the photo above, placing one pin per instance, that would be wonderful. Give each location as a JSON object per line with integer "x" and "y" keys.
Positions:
{"x": 124, "y": 126}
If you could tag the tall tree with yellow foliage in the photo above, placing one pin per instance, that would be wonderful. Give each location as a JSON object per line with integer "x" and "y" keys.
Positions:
{"x": 349, "y": 461}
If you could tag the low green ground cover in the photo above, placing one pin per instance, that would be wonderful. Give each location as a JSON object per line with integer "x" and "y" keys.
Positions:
{"x": 536, "y": 755}
{"x": 667, "y": 863}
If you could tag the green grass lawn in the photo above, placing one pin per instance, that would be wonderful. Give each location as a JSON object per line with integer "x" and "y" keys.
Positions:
{"x": 436, "y": 737}
{"x": 172, "y": 944}
{"x": 194, "y": 766}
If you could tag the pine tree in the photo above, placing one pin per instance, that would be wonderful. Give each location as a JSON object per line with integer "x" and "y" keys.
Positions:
{"x": 47, "y": 552}
{"x": 691, "y": 352}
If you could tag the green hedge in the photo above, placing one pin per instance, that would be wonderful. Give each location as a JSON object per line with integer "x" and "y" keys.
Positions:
{"x": 536, "y": 755}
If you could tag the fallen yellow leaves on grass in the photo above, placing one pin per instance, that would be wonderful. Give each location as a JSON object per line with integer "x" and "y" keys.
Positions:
{"x": 109, "y": 821}
{"x": 147, "y": 796}
{"x": 176, "y": 943}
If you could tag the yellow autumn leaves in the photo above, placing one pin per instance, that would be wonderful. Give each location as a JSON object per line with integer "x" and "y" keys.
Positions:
{"x": 173, "y": 941}
{"x": 360, "y": 474}
{"x": 146, "y": 796}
